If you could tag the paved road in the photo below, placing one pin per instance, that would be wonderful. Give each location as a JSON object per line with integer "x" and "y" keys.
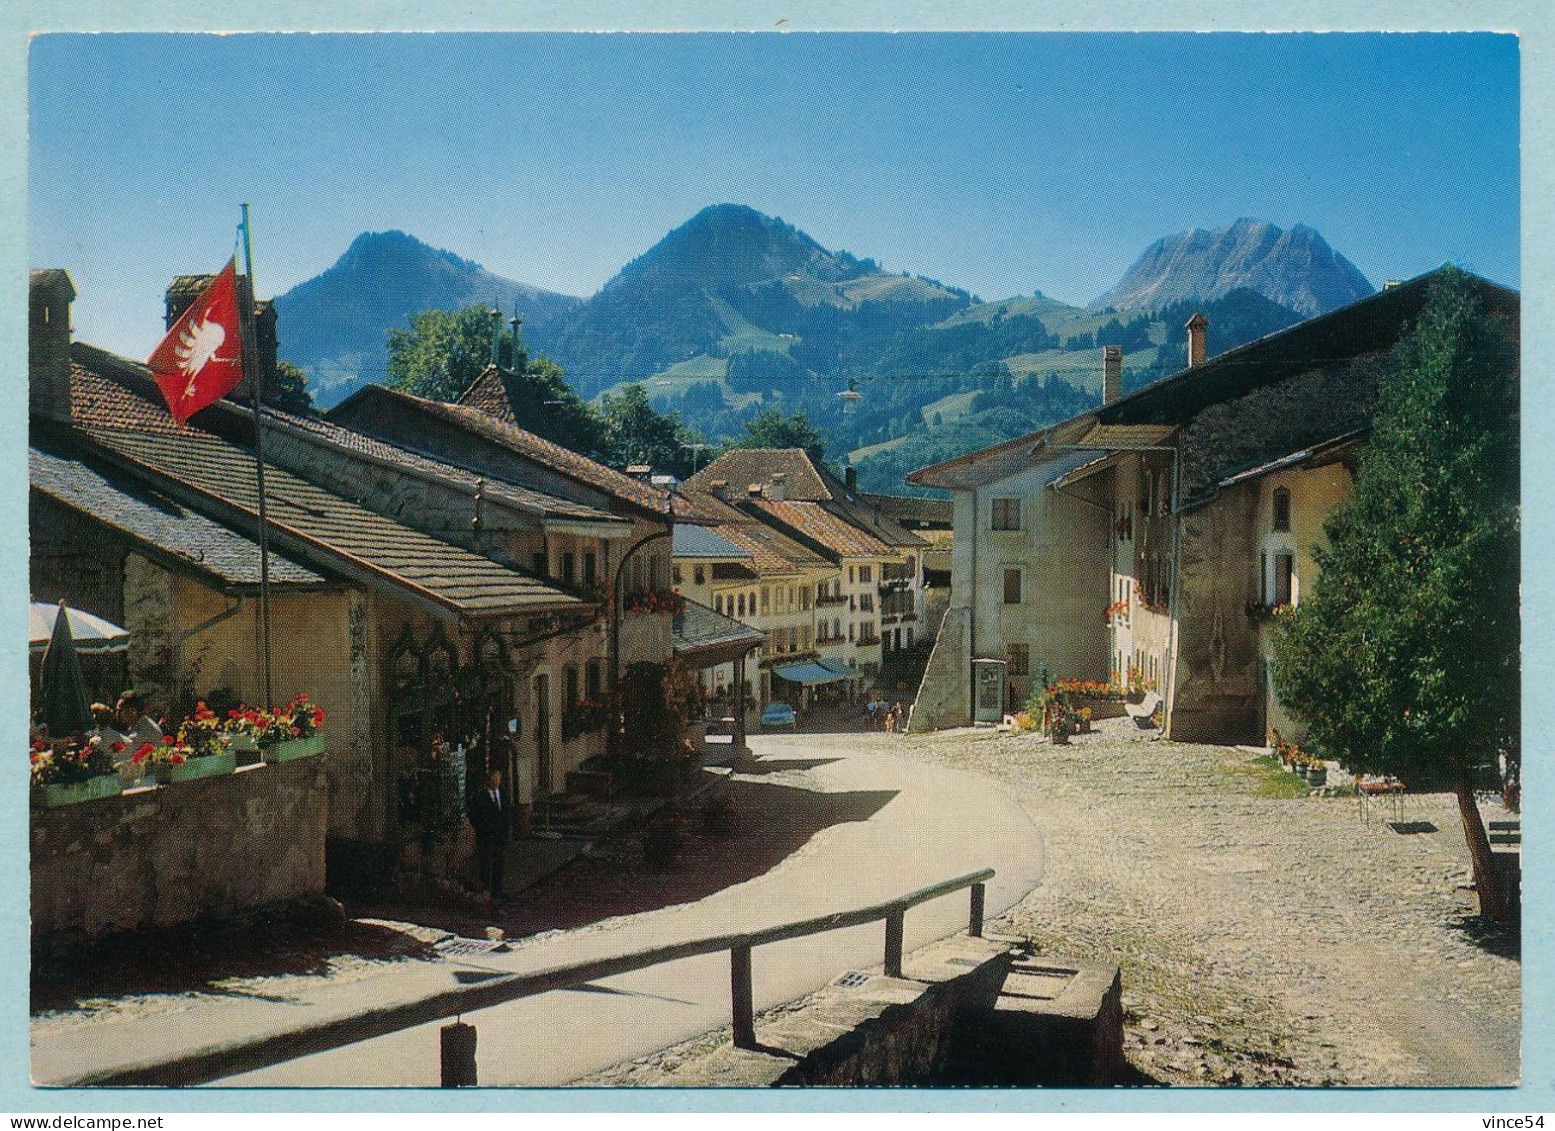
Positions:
{"x": 941, "y": 822}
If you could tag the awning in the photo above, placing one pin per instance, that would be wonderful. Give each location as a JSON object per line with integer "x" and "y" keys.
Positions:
{"x": 809, "y": 673}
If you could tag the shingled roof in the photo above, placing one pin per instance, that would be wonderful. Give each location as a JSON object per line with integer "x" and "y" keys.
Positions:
{"x": 162, "y": 527}
{"x": 100, "y": 379}
{"x": 307, "y": 521}
{"x": 813, "y": 519}
{"x": 476, "y": 416}
{"x": 703, "y": 636}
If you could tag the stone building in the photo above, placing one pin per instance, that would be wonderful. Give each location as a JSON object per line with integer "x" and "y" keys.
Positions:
{"x": 412, "y": 596}
{"x": 1150, "y": 538}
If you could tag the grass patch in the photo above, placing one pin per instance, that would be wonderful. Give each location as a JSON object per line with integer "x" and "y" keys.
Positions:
{"x": 1264, "y": 777}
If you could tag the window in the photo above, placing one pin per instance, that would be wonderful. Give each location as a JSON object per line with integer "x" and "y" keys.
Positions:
{"x": 675, "y": 573}
{"x": 766, "y": 601}
{"x": 740, "y": 604}
{"x": 850, "y": 632}
{"x": 593, "y": 683}
{"x": 590, "y": 567}
{"x": 850, "y": 575}
{"x": 1012, "y": 587}
{"x": 570, "y": 683}
{"x": 1162, "y": 496}
{"x": 699, "y": 575}
{"x": 1284, "y": 567}
{"x": 1263, "y": 577}
{"x": 539, "y": 563}
{"x": 909, "y": 636}
{"x": 1020, "y": 659}
{"x": 804, "y": 598}
{"x": 568, "y": 564}
{"x": 718, "y": 603}
{"x": 1281, "y": 509}
{"x": 864, "y": 575}
{"x": 1006, "y": 514}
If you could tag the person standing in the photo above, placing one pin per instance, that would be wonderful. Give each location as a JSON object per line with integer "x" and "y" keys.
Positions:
{"x": 489, "y": 813}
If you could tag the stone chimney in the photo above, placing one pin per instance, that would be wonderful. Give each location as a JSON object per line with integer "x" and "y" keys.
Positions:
{"x": 1196, "y": 327}
{"x": 1111, "y": 373}
{"x": 48, "y": 344}
{"x": 184, "y": 289}
{"x": 777, "y": 486}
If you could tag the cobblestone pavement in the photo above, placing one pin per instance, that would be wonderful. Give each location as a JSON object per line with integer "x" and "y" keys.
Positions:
{"x": 1263, "y": 939}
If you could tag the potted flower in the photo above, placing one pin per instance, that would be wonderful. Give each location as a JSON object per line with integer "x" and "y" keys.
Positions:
{"x": 243, "y": 726}
{"x": 73, "y": 770}
{"x": 1084, "y": 715}
{"x": 293, "y": 731}
{"x": 200, "y": 749}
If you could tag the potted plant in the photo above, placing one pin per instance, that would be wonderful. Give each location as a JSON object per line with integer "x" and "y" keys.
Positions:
{"x": 243, "y": 726}
{"x": 1084, "y": 716}
{"x": 200, "y": 749}
{"x": 73, "y": 770}
{"x": 293, "y": 731}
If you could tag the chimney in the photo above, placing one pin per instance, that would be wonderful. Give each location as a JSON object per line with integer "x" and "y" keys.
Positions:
{"x": 720, "y": 489}
{"x": 1196, "y": 327}
{"x": 850, "y": 477}
{"x": 641, "y": 472}
{"x": 1111, "y": 373}
{"x": 777, "y": 486}
{"x": 753, "y": 491}
{"x": 184, "y": 289}
{"x": 48, "y": 344}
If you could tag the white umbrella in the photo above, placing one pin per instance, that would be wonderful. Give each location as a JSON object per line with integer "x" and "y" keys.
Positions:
{"x": 91, "y": 634}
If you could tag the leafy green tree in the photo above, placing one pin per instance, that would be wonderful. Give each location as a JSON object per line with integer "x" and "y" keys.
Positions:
{"x": 632, "y": 432}
{"x": 1405, "y": 658}
{"x": 771, "y": 429}
{"x": 442, "y": 352}
{"x": 289, "y": 390}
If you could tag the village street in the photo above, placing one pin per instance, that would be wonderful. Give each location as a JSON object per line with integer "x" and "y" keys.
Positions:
{"x": 1264, "y": 938}
{"x": 874, "y": 825}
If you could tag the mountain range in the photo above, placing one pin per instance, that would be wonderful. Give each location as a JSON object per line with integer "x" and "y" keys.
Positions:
{"x": 734, "y": 311}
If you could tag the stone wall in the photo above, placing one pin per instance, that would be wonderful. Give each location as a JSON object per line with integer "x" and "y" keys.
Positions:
{"x": 211, "y": 848}
{"x": 945, "y": 696}
{"x": 1215, "y": 659}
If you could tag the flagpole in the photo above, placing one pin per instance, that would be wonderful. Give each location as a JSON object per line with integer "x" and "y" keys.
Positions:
{"x": 251, "y": 353}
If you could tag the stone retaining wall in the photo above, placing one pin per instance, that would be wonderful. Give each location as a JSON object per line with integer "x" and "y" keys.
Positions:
{"x": 210, "y": 848}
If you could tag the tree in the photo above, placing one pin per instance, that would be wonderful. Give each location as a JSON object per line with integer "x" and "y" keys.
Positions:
{"x": 771, "y": 429}
{"x": 1405, "y": 660}
{"x": 632, "y": 432}
{"x": 289, "y": 390}
{"x": 442, "y": 352}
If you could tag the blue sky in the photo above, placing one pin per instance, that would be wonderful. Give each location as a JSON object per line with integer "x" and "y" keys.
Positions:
{"x": 1000, "y": 163}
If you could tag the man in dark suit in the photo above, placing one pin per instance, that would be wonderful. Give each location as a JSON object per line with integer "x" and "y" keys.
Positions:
{"x": 489, "y": 810}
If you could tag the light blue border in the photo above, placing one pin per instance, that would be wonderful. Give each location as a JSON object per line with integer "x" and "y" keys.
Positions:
{"x": 1531, "y": 19}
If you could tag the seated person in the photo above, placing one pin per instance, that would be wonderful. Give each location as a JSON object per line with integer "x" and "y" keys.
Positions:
{"x": 133, "y": 723}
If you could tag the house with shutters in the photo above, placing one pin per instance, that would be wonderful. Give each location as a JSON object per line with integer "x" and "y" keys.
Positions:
{"x": 1150, "y": 538}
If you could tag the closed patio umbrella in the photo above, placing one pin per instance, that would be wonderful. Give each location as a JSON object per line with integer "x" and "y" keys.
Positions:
{"x": 91, "y": 634}
{"x": 61, "y": 694}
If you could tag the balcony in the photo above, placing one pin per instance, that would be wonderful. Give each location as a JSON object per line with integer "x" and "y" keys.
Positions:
{"x": 828, "y": 602}
{"x": 867, "y": 641}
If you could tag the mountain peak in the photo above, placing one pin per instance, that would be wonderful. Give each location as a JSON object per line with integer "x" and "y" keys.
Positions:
{"x": 1295, "y": 268}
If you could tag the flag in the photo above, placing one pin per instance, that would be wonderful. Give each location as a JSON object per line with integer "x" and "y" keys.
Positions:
{"x": 200, "y": 361}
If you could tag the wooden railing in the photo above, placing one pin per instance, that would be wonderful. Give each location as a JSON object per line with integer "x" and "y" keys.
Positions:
{"x": 217, "y": 1062}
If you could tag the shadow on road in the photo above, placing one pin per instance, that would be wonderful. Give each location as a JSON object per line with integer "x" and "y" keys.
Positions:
{"x": 1505, "y": 940}
{"x": 202, "y": 959}
{"x": 765, "y": 766}
{"x": 771, "y": 822}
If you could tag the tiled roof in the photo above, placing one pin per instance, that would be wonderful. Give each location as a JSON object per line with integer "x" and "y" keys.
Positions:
{"x": 700, "y": 542}
{"x": 910, "y": 509}
{"x": 771, "y": 551}
{"x": 696, "y": 626}
{"x": 104, "y": 395}
{"x": 317, "y": 523}
{"x": 559, "y": 459}
{"x": 744, "y": 466}
{"x": 171, "y": 530}
{"x": 488, "y": 394}
{"x": 831, "y": 531}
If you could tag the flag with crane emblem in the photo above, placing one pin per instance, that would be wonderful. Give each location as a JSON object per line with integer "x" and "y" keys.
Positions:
{"x": 200, "y": 360}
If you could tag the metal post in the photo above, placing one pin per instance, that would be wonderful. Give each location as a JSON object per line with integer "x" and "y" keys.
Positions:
{"x": 743, "y": 997}
{"x": 458, "y": 1049}
{"x": 895, "y": 924}
{"x": 975, "y": 927}
{"x": 249, "y": 348}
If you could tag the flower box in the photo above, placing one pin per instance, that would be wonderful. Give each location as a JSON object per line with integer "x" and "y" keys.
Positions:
{"x": 295, "y": 748}
{"x": 73, "y": 793}
{"x": 243, "y": 743}
{"x": 210, "y": 766}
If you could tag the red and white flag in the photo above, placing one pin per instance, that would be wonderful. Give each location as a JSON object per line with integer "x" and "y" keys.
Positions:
{"x": 201, "y": 359}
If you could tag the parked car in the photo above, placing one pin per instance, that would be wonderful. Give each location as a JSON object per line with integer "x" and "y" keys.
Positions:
{"x": 778, "y": 715}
